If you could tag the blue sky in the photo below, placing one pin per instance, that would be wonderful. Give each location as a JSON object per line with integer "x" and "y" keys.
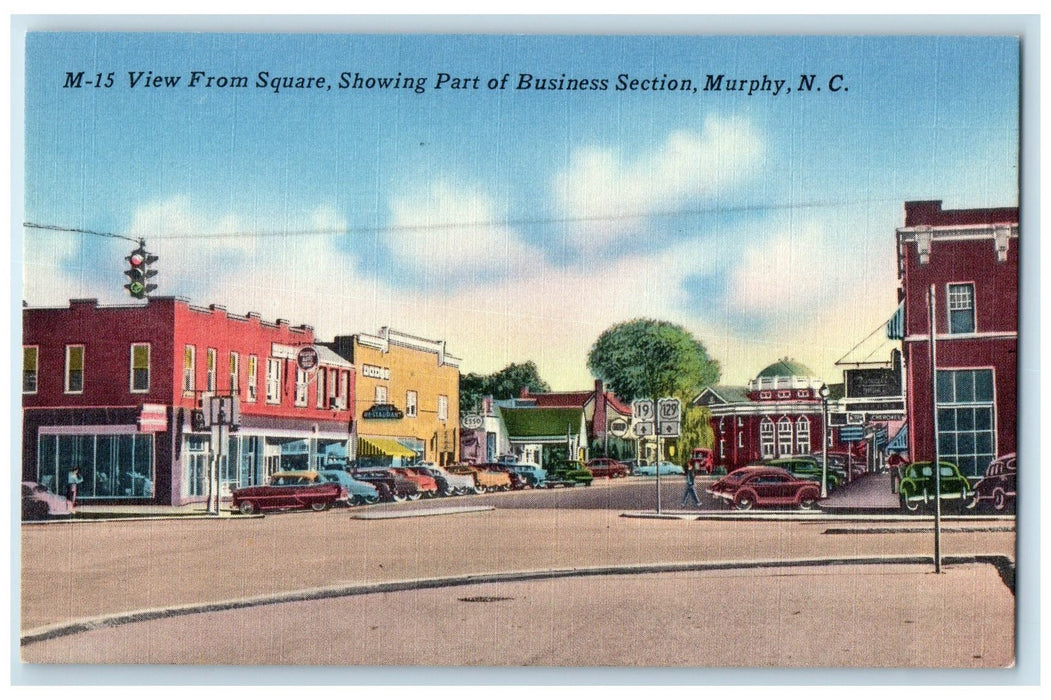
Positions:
{"x": 516, "y": 224}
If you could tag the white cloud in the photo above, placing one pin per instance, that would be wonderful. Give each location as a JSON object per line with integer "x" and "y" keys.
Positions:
{"x": 611, "y": 193}
{"x": 448, "y": 230}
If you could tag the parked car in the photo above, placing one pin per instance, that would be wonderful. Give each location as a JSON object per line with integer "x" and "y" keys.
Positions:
{"x": 392, "y": 487}
{"x": 569, "y": 473}
{"x": 289, "y": 491}
{"x": 38, "y": 503}
{"x": 453, "y": 483}
{"x": 749, "y": 487}
{"x": 485, "y": 479}
{"x": 917, "y": 487}
{"x": 702, "y": 459}
{"x": 534, "y": 474}
{"x": 357, "y": 491}
{"x": 606, "y": 466}
{"x": 806, "y": 468}
{"x": 997, "y": 489}
{"x": 425, "y": 484}
{"x": 665, "y": 469}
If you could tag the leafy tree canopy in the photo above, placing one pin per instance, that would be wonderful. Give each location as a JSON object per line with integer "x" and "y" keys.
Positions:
{"x": 645, "y": 357}
{"x": 504, "y": 384}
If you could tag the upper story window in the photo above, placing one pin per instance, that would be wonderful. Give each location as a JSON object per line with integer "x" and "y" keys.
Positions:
{"x": 74, "y": 369}
{"x": 443, "y": 407}
{"x": 961, "y": 308}
{"x": 211, "y": 360}
{"x": 322, "y": 374}
{"x": 253, "y": 377}
{"x": 235, "y": 372}
{"x": 140, "y": 367}
{"x": 273, "y": 380}
{"x": 802, "y": 435}
{"x": 784, "y": 436}
{"x": 410, "y": 403}
{"x": 30, "y": 361}
{"x": 344, "y": 382}
{"x": 189, "y": 368}
{"x": 381, "y": 394}
{"x": 301, "y": 387}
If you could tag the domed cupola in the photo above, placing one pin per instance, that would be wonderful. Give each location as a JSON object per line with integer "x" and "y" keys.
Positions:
{"x": 786, "y": 379}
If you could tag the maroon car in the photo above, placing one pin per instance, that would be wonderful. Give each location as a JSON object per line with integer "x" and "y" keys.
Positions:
{"x": 997, "y": 489}
{"x": 605, "y": 466}
{"x": 289, "y": 491}
{"x": 765, "y": 486}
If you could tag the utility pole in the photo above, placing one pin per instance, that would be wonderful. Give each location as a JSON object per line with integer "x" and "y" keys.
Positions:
{"x": 937, "y": 449}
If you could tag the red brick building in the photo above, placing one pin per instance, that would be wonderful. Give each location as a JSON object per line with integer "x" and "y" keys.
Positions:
{"x": 778, "y": 414}
{"x": 970, "y": 258}
{"x": 112, "y": 390}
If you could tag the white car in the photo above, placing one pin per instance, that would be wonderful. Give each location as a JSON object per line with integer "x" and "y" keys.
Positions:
{"x": 461, "y": 484}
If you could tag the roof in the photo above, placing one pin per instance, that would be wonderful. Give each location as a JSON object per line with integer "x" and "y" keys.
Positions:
{"x": 326, "y": 356}
{"x": 930, "y": 213}
{"x": 728, "y": 394}
{"x": 577, "y": 399}
{"x": 786, "y": 367}
{"x": 542, "y": 422}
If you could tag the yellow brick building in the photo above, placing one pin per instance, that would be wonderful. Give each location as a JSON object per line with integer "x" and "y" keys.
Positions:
{"x": 406, "y": 396}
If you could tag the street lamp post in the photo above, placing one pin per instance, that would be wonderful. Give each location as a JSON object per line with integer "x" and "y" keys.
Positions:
{"x": 824, "y": 392}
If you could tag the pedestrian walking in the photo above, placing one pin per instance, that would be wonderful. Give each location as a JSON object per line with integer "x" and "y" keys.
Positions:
{"x": 72, "y": 482}
{"x": 691, "y": 488}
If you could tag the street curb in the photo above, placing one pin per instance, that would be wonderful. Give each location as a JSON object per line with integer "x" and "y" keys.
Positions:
{"x": 1004, "y": 566}
{"x": 812, "y": 516}
{"x": 386, "y": 514}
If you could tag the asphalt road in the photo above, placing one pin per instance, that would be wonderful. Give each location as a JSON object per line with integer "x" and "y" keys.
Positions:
{"x": 92, "y": 570}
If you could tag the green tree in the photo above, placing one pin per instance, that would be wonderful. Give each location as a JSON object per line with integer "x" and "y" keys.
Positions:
{"x": 643, "y": 358}
{"x": 504, "y": 384}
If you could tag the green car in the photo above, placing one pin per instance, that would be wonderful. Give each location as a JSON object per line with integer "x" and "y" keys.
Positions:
{"x": 917, "y": 485}
{"x": 569, "y": 473}
{"x": 805, "y": 468}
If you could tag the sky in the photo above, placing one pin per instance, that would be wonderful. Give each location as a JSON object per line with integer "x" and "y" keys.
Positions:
{"x": 512, "y": 222}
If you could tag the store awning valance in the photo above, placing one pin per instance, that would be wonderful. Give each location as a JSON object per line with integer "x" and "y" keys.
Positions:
{"x": 377, "y": 447}
{"x": 896, "y": 324}
{"x": 900, "y": 442}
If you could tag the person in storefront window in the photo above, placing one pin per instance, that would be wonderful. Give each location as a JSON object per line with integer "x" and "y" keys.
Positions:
{"x": 72, "y": 482}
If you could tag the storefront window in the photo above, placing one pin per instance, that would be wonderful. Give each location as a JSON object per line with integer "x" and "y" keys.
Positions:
{"x": 112, "y": 466}
{"x": 966, "y": 419}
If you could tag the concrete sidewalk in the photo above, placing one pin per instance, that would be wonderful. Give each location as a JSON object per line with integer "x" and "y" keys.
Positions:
{"x": 867, "y": 493}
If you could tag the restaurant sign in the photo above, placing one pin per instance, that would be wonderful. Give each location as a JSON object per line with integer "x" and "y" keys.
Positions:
{"x": 383, "y": 411}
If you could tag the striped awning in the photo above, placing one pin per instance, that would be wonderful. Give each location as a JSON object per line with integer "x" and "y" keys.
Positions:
{"x": 900, "y": 442}
{"x": 377, "y": 447}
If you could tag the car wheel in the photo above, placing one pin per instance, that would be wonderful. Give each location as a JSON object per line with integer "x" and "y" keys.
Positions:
{"x": 414, "y": 496}
{"x": 999, "y": 501}
{"x": 744, "y": 502}
{"x": 807, "y": 502}
{"x": 479, "y": 490}
{"x": 912, "y": 506}
{"x": 397, "y": 497}
{"x": 247, "y": 508}
{"x": 318, "y": 507}
{"x": 368, "y": 500}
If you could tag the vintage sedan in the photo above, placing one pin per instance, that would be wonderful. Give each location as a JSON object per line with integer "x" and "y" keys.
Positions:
{"x": 289, "y": 491}
{"x": 485, "y": 479}
{"x": 38, "y": 503}
{"x": 357, "y": 491}
{"x": 806, "y": 468}
{"x": 997, "y": 489}
{"x": 665, "y": 469}
{"x": 426, "y": 484}
{"x": 534, "y": 474}
{"x": 461, "y": 484}
{"x": 391, "y": 486}
{"x": 749, "y": 487}
{"x": 606, "y": 466}
{"x": 917, "y": 486}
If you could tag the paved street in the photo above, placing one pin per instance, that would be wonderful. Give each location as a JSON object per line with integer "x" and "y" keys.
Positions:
{"x": 92, "y": 569}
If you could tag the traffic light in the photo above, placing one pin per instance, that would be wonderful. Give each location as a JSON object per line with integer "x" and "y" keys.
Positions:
{"x": 139, "y": 272}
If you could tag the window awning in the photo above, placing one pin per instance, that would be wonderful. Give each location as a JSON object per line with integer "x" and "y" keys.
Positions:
{"x": 900, "y": 442}
{"x": 375, "y": 447}
{"x": 896, "y": 324}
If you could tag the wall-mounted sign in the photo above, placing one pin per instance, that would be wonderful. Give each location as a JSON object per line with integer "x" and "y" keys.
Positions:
{"x": 307, "y": 358}
{"x": 471, "y": 421}
{"x": 618, "y": 427}
{"x": 872, "y": 383}
{"x": 153, "y": 418}
{"x": 383, "y": 411}
{"x": 375, "y": 372}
